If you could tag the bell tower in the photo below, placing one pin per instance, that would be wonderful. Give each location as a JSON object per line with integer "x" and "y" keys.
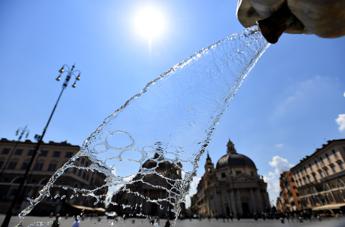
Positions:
{"x": 209, "y": 167}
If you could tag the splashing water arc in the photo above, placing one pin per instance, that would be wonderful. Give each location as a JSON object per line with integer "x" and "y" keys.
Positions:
{"x": 155, "y": 139}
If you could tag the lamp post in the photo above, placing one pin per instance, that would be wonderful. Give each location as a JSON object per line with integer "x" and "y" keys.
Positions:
{"x": 20, "y": 132}
{"x": 68, "y": 72}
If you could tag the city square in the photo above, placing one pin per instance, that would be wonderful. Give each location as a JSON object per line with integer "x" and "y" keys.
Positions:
{"x": 216, "y": 113}
{"x": 339, "y": 222}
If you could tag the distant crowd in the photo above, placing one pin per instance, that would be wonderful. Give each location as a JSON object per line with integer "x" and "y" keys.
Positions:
{"x": 157, "y": 222}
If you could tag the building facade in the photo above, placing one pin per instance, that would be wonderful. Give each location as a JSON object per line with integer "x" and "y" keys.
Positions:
{"x": 14, "y": 158}
{"x": 151, "y": 192}
{"x": 288, "y": 200}
{"x": 320, "y": 179}
{"x": 232, "y": 188}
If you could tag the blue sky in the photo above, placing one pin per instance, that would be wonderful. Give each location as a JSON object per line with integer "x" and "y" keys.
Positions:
{"x": 286, "y": 108}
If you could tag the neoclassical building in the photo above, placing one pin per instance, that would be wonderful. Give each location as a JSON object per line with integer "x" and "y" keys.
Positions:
{"x": 318, "y": 181}
{"x": 233, "y": 187}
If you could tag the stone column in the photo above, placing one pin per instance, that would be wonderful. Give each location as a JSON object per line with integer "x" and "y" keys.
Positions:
{"x": 259, "y": 202}
{"x": 253, "y": 201}
{"x": 233, "y": 202}
{"x": 238, "y": 202}
{"x": 267, "y": 200}
{"x": 222, "y": 199}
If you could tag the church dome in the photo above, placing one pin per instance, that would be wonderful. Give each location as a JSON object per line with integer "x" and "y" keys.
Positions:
{"x": 233, "y": 159}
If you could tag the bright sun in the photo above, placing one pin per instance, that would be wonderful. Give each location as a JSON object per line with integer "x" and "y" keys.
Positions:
{"x": 149, "y": 23}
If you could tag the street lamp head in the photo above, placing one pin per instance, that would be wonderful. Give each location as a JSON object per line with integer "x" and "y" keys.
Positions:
{"x": 58, "y": 78}
{"x": 74, "y": 85}
{"x": 62, "y": 70}
{"x": 78, "y": 77}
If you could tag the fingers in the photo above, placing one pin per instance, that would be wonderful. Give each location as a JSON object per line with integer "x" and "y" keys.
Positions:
{"x": 320, "y": 17}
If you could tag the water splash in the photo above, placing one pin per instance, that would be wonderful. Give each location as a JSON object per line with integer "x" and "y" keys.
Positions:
{"x": 154, "y": 141}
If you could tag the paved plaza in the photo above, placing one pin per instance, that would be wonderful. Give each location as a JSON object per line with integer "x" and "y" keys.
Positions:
{"x": 336, "y": 222}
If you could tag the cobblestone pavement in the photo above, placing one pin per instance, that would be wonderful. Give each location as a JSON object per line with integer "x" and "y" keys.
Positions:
{"x": 336, "y": 222}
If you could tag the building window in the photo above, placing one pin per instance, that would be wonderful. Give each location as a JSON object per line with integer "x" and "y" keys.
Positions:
{"x": 43, "y": 153}
{"x": 52, "y": 167}
{"x": 223, "y": 175}
{"x": 238, "y": 172}
{"x": 12, "y": 165}
{"x": 332, "y": 166}
{"x": 38, "y": 166}
{"x": 18, "y": 152}
{"x": 68, "y": 154}
{"x": 327, "y": 156}
{"x": 340, "y": 163}
{"x": 326, "y": 170}
{"x": 314, "y": 176}
{"x": 30, "y": 152}
{"x": 24, "y": 165}
{"x": 5, "y": 151}
{"x": 56, "y": 154}
{"x": 304, "y": 180}
{"x": 335, "y": 153}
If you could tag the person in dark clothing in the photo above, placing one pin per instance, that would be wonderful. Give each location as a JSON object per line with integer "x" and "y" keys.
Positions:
{"x": 167, "y": 223}
{"x": 56, "y": 221}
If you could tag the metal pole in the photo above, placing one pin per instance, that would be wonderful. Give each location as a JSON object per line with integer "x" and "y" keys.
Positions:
{"x": 19, "y": 192}
{"x": 16, "y": 200}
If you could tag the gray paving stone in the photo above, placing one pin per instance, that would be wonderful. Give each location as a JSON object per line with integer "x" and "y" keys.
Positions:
{"x": 336, "y": 222}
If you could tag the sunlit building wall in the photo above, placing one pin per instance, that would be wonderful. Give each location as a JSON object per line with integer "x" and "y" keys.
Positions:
{"x": 319, "y": 180}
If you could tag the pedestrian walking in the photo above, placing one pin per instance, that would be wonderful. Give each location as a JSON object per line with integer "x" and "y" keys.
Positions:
{"x": 76, "y": 222}
{"x": 56, "y": 222}
{"x": 167, "y": 223}
{"x": 282, "y": 220}
{"x": 156, "y": 224}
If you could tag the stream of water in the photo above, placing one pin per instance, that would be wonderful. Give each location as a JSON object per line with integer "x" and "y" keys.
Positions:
{"x": 154, "y": 141}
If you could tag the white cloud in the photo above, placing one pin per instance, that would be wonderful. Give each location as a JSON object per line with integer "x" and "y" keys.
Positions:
{"x": 341, "y": 122}
{"x": 279, "y": 145}
{"x": 344, "y": 94}
{"x": 278, "y": 164}
{"x": 192, "y": 190}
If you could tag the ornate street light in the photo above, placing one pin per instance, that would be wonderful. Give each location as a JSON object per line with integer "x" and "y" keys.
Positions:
{"x": 21, "y": 133}
{"x": 68, "y": 73}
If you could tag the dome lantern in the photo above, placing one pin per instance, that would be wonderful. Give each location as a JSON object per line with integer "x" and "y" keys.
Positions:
{"x": 231, "y": 148}
{"x": 234, "y": 160}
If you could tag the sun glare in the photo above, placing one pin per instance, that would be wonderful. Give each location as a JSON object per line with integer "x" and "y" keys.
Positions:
{"x": 149, "y": 23}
